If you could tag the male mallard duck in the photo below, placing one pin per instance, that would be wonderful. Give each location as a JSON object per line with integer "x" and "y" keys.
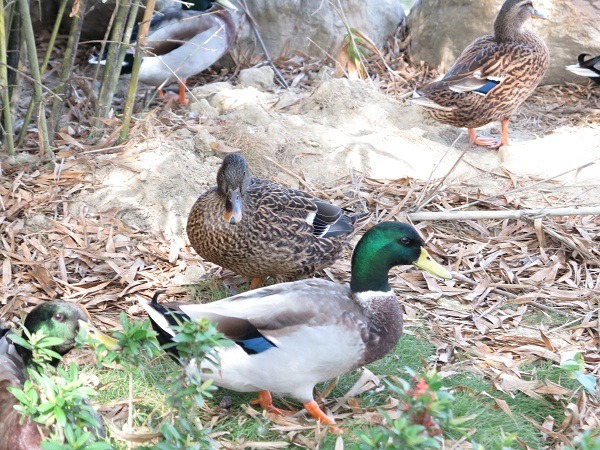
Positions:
{"x": 58, "y": 319}
{"x": 589, "y": 68}
{"x": 258, "y": 228}
{"x": 182, "y": 42}
{"x": 290, "y": 336}
{"x": 491, "y": 77}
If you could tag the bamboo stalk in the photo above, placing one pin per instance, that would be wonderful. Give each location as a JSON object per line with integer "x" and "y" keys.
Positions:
{"x": 7, "y": 117}
{"x": 67, "y": 65}
{"x": 111, "y": 69}
{"x": 135, "y": 71}
{"x": 504, "y": 214}
{"x": 35, "y": 73}
{"x": 27, "y": 118}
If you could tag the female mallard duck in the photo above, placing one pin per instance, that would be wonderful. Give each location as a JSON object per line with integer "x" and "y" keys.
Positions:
{"x": 289, "y": 337}
{"x": 491, "y": 77}
{"x": 58, "y": 319}
{"x": 258, "y": 228}
{"x": 589, "y": 68}
{"x": 182, "y": 42}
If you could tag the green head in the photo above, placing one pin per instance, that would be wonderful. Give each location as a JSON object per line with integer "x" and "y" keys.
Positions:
{"x": 384, "y": 246}
{"x": 56, "y": 319}
{"x": 233, "y": 180}
{"x": 512, "y": 16}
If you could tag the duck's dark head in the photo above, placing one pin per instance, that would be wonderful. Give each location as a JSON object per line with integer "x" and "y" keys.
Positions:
{"x": 57, "y": 319}
{"x": 511, "y": 18}
{"x": 233, "y": 180}
{"x": 204, "y": 5}
{"x": 384, "y": 246}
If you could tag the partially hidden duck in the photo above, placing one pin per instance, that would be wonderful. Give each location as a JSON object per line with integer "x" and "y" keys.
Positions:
{"x": 288, "y": 337}
{"x": 58, "y": 319}
{"x": 182, "y": 42}
{"x": 587, "y": 67}
{"x": 491, "y": 78}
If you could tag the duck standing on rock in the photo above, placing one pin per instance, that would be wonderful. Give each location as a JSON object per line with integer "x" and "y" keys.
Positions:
{"x": 491, "y": 77}
{"x": 258, "y": 228}
{"x": 587, "y": 68}
{"x": 182, "y": 42}
{"x": 288, "y": 337}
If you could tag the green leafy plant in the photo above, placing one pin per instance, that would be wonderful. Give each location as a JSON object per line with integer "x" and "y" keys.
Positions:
{"x": 424, "y": 416}
{"x": 575, "y": 368}
{"x": 57, "y": 398}
{"x": 184, "y": 389}
{"x": 588, "y": 440}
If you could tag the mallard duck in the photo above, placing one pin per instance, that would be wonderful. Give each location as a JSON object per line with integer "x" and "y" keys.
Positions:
{"x": 182, "y": 42}
{"x": 491, "y": 77}
{"x": 258, "y": 228}
{"x": 589, "y": 68}
{"x": 58, "y": 319}
{"x": 288, "y": 337}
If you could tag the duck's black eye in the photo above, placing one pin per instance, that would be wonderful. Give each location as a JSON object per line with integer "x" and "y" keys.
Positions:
{"x": 405, "y": 241}
{"x": 59, "y": 317}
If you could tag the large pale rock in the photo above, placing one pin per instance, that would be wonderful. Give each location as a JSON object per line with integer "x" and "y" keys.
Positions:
{"x": 314, "y": 27}
{"x": 441, "y": 29}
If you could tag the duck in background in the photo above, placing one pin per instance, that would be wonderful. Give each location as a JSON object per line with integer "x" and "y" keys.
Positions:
{"x": 258, "y": 228}
{"x": 288, "y": 337}
{"x": 587, "y": 68}
{"x": 182, "y": 42}
{"x": 491, "y": 78}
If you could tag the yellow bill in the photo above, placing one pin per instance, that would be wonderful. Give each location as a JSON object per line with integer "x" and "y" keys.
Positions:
{"x": 427, "y": 263}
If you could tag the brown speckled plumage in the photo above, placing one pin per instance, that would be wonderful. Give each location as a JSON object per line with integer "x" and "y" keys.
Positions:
{"x": 273, "y": 237}
{"x": 493, "y": 76}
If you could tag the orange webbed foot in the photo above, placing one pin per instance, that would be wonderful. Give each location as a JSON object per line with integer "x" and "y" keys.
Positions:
{"x": 266, "y": 402}
{"x": 313, "y": 409}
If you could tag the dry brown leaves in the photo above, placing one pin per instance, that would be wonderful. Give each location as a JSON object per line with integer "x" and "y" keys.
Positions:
{"x": 520, "y": 294}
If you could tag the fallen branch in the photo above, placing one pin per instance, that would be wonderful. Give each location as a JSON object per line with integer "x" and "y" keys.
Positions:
{"x": 503, "y": 214}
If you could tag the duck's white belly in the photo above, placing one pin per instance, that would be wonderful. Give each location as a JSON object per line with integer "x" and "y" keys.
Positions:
{"x": 300, "y": 360}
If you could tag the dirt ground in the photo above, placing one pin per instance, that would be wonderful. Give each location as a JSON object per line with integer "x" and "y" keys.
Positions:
{"x": 341, "y": 128}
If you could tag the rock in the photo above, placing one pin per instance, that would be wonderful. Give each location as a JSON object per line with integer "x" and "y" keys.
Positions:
{"x": 441, "y": 29}
{"x": 261, "y": 78}
{"x": 314, "y": 27}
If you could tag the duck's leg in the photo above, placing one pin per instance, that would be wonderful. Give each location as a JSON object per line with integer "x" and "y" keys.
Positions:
{"x": 256, "y": 282}
{"x": 266, "y": 402}
{"x": 486, "y": 141}
{"x": 313, "y": 409}
{"x": 504, "y": 139}
{"x": 182, "y": 93}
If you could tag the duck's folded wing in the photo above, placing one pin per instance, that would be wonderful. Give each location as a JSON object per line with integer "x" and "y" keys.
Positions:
{"x": 479, "y": 68}
{"x": 326, "y": 219}
{"x": 257, "y": 320}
